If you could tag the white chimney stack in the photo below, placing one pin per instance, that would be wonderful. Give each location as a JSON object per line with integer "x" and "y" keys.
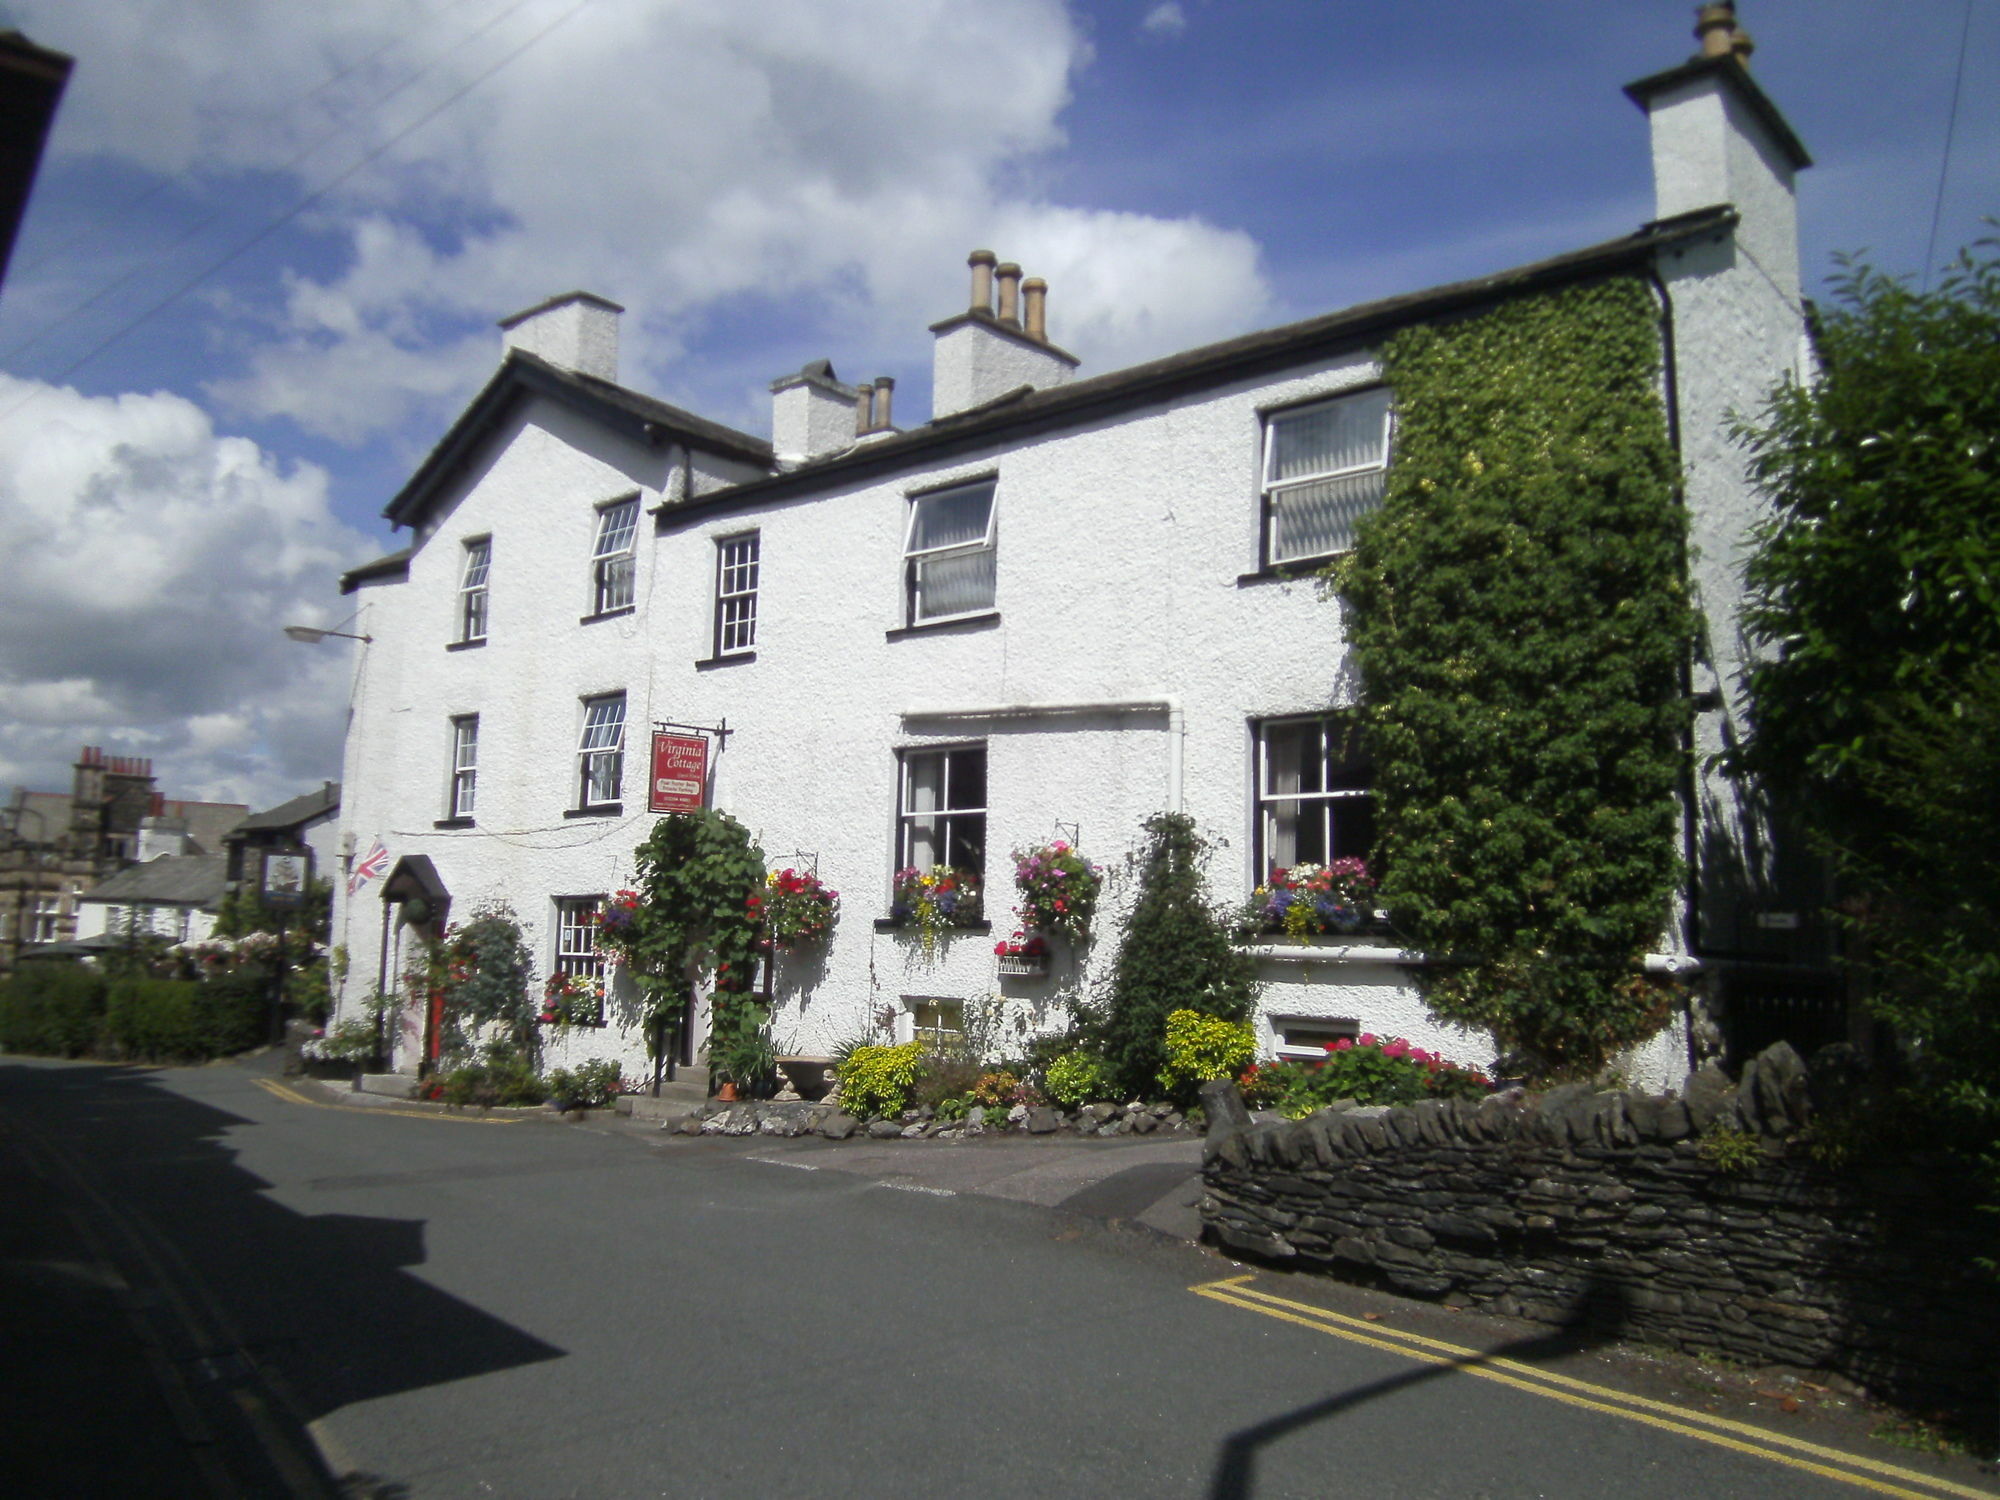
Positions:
{"x": 812, "y": 413}
{"x": 577, "y": 331}
{"x": 981, "y": 355}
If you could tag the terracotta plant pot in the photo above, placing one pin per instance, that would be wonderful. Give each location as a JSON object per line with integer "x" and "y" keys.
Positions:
{"x": 726, "y": 1093}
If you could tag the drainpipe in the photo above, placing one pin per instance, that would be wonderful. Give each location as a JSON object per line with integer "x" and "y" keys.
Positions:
{"x": 1167, "y": 704}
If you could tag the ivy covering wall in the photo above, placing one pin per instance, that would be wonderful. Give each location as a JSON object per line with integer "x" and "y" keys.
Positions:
{"x": 1519, "y": 614}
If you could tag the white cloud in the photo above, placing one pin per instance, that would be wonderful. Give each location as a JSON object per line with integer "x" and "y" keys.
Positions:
{"x": 681, "y": 157}
{"x": 1167, "y": 19}
{"x": 151, "y": 564}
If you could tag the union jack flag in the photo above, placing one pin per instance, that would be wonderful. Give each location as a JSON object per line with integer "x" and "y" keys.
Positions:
{"x": 366, "y": 868}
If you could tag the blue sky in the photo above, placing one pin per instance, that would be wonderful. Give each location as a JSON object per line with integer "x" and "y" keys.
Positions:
{"x": 269, "y": 243}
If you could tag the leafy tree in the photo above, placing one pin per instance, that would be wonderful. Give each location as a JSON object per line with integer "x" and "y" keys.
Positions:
{"x": 1176, "y": 955}
{"x": 1875, "y": 585}
{"x": 1518, "y": 611}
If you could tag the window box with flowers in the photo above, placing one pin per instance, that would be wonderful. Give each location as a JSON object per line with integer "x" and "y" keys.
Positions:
{"x": 933, "y": 902}
{"x": 797, "y": 908}
{"x": 1025, "y": 955}
{"x": 573, "y": 1000}
{"x": 1308, "y": 901}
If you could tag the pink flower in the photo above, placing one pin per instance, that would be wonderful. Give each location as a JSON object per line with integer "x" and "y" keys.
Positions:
{"x": 1342, "y": 1044}
{"x": 1367, "y": 1039}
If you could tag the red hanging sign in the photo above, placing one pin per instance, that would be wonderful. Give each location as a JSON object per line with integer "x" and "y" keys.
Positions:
{"x": 680, "y": 773}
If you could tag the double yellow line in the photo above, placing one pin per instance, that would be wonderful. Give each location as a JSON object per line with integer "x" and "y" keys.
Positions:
{"x": 293, "y": 1096}
{"x": 1740, "y": 1437}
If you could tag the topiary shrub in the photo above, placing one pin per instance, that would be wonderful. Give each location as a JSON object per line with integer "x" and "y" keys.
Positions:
{"x": 51, "y": 1010}
{"x": 876, "y": 1082}
{"x": 1199, "y": 1048}
{"x": 1176, "y": 955}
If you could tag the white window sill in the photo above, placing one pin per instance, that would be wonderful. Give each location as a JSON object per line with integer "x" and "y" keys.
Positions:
{"x": 1334, "y": 951}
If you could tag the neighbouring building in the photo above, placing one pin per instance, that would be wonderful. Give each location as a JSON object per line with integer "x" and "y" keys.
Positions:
{"x": 55, "y": 847}
{"x": 172, "y": 896}
{"x": 1048, "y": 609}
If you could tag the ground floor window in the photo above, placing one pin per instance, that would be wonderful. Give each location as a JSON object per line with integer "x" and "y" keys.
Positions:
{"x": 1314, "y": 804}
{"x": 941, "y": 813}
{"x": 578, "y": 961}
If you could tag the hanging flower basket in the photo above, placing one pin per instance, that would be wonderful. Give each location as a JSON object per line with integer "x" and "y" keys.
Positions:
{"x": 796, "y": 908}
{"x": 1059, "y": 890}
{"x": 934, "y": 901}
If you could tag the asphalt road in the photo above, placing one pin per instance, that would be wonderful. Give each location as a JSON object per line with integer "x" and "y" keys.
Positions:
{"x": 210, "y": 1289}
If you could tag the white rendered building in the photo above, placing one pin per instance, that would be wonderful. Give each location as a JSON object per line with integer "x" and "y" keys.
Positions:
{"x": 1046, "y": 610}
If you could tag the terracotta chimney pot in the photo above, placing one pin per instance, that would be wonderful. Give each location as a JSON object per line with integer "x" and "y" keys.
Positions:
{"x": 1034, "y": 308}
{"x": 885, "y": 390}
{"x": 1009, "y": 276}
{"x": 982, "y": 263}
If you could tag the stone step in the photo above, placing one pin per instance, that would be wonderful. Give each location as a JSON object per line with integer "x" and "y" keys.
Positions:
{"x": 675, "y": 1099}
{"x": 390, "y": 1085}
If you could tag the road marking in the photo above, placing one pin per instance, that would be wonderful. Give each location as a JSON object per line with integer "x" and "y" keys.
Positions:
{"x": 917, "y": 1187}
{"x": 773, "y": 1161}
{"x": 1236, "y": 1291}
{"x": 292, "y": 1096}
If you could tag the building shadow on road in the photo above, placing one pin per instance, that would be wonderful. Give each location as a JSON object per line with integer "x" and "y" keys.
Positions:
{"x": 1589, "y": 1327}
{"x": 131, "y": 1219}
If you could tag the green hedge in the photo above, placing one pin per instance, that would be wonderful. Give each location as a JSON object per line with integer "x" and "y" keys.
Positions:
{"x": 184, "y": 1020}
{"x": 51, "y": 1009}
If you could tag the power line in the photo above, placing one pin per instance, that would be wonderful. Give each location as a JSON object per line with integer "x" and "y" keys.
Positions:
{"x": 69, "y": 314}
{"x": 119, "y": 211}
{"x": 271, "y": 228}
{"x": 1950, "y": 129}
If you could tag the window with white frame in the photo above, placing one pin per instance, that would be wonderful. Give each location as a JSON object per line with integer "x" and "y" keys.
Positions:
{"x": 613, "y": 560}
{"x": 948, "y": 555}
{"x": 941, "y": 813}
{"x": 736, "y": 571}
{"x": 600, "y": 753}
{"x": 472, "y": 589}
{"x": 1313, "y": 797}
{"x": 464, "y": 764}
{"x": 577, "y": 953}
{"x": 1325, "y": 466}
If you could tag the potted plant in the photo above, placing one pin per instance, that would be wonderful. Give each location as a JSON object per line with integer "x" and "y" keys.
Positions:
{"x": 1025, "y": 955}
{"x": 934, "y": 901}
{"x": 744, "y": 1053}
{"x": 573, "y": 1000}
{"x": 1306, "y": 901}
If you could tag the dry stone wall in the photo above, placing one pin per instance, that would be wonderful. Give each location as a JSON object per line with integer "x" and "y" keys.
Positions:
{"x": 1586, "y": 1207}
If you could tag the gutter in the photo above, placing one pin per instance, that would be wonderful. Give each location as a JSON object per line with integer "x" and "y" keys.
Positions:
{"x": 1170, "y": 705}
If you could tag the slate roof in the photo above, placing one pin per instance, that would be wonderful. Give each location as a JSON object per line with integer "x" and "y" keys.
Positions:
{"x": 642, "y": 418}
{"x": 1028, "y": 410}
{"x": 300, "y": 809}
{"x": 170, "y": 880}
{"x": 395, "y": 565}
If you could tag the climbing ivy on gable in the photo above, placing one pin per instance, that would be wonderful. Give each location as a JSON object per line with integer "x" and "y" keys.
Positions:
{"x": 1519, "y": 613}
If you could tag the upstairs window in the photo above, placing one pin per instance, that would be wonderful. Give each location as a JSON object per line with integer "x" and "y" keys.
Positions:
{"x": 464, "y": 764}
{"x": 472, "y": 590}
{"x": 1325, "y": 466}
{"x": 736, "y": 570}
{"x": 600, "y": 754}
{"x": 1313, "y": 798}
{"x": 613, "y": 560}
{"x": 949, "y": 553}
{"x": 941, "y": 819}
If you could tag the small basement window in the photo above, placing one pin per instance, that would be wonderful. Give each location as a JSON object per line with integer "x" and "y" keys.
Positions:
{"x": 1309, "y": 1037}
